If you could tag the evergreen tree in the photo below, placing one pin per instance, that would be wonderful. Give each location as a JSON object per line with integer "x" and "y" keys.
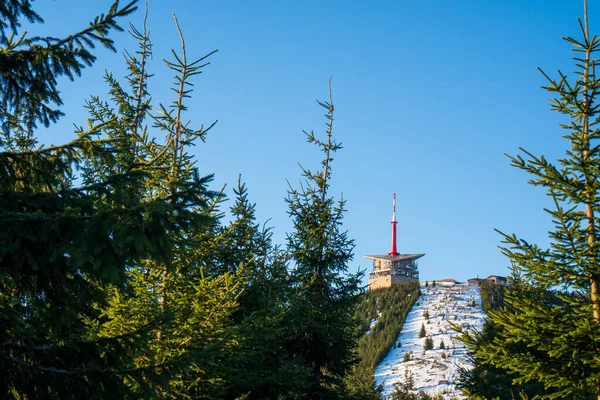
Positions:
{"x": 492, "y": 296}
{"x": 30, "y": 67}
{"x": 185, "y": 297}
{"x": 485, "y": 381}
{"x": 261, "y": 367}
{"x": 442, "y": 345}
{"x": 389, "y": 306}
{"x": 428, "y": 345}
{"x": 422, "y": 332}
{"x": 322, "y": 328}
{"x": 65, "y": 248}
{"x": 551, "y": 322}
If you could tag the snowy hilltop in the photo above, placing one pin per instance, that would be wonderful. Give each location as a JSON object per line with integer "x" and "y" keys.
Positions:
{"x": 433, "y": 371}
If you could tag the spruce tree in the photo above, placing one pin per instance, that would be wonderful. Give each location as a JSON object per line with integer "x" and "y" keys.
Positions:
{"x": 31, "y": 66}
{"x": 422, "y": 332}
{"x": 184, "y": 297}
{"x": 550, "y": 326}
{"x": 428, "y": 345}
{"x": 322, "y": 328}
{"x": 389, "y": 306}
{"x": 104, "y": 286}
{"x": 483, "y": 380}
{"x": 64, "y": 247}
{"x": 261, "y": 366}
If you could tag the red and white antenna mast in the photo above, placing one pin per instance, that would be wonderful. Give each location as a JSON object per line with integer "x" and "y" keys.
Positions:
{"x": 394, "y": 252}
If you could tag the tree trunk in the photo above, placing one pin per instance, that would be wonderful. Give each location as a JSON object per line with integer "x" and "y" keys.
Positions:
{"x": 589, "y": 211}
{"x": 163, "y": 302}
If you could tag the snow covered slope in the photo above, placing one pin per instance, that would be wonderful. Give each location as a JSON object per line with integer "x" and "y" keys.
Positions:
{"x": 434, "y": 371}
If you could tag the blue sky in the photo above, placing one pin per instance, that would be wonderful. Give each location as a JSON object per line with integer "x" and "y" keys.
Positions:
{"x": 428, "y": 96}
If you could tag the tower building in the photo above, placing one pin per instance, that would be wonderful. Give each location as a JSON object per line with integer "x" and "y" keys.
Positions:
{"x": 393, "y": 268}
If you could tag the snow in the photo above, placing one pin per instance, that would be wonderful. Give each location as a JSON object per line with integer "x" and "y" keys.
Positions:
{"x": 372, "y": 325}
{"x": 447, "y": 304}
{"x": 374, "y": 322}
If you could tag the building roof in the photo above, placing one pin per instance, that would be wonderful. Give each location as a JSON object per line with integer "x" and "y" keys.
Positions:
{"x": 399, "y": 257}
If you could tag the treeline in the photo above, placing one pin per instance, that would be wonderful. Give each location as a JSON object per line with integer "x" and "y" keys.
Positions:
{"x": 492, "y": 295}
{"x": 389, "y": 308}
{"x": 119, "y": 277}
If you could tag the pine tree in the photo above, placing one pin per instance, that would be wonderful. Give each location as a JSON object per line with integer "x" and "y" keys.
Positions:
{"x": 185, "y": 297}
{"x": 481, "y": 380}
{"x": 428, "y": 345}
{"x": 551, "y": 322}
{"x": 389, "y": 306}
{"x": 322, "y": 328}
{"x": 120, "y": 261}
{"x": 422, "y": 332}
{"x": 64, "y": 247}
{"x": 442, "y": 345}
{"x": 261, "y": 366}
{"x": 30, "y": 67}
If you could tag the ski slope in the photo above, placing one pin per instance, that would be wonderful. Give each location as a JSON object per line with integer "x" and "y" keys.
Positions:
{"x": 447, "y": 304}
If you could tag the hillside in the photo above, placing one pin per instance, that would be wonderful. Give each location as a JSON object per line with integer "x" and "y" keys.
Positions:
{"x": 381, "y": 314}
{"x": 433, "y": 371}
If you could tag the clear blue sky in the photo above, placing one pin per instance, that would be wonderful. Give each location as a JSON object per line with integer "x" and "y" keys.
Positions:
{"x": 429, "y": 95}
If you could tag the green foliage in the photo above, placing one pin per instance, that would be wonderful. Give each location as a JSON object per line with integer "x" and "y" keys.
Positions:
{"x": 322, "y": 326}
{"x": 485, "y": 380}
{"x": 66, "y": 249}
{"x": 188, "y": 305}
{"x": 442, "y": 345}
{"x": 106, "y": 294}
{"x": 428, "y": 345}
{"x": 422, "y": 332}
{"x": 263, "y": 369}
{"x": 30, "y": 67}
{"x": 389, "y": 306}
{"x": 545, "y": 336}
{"x": 426, "y": 314}
{"x": 119, "y": 278}
{"x": 492, "y": 295}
